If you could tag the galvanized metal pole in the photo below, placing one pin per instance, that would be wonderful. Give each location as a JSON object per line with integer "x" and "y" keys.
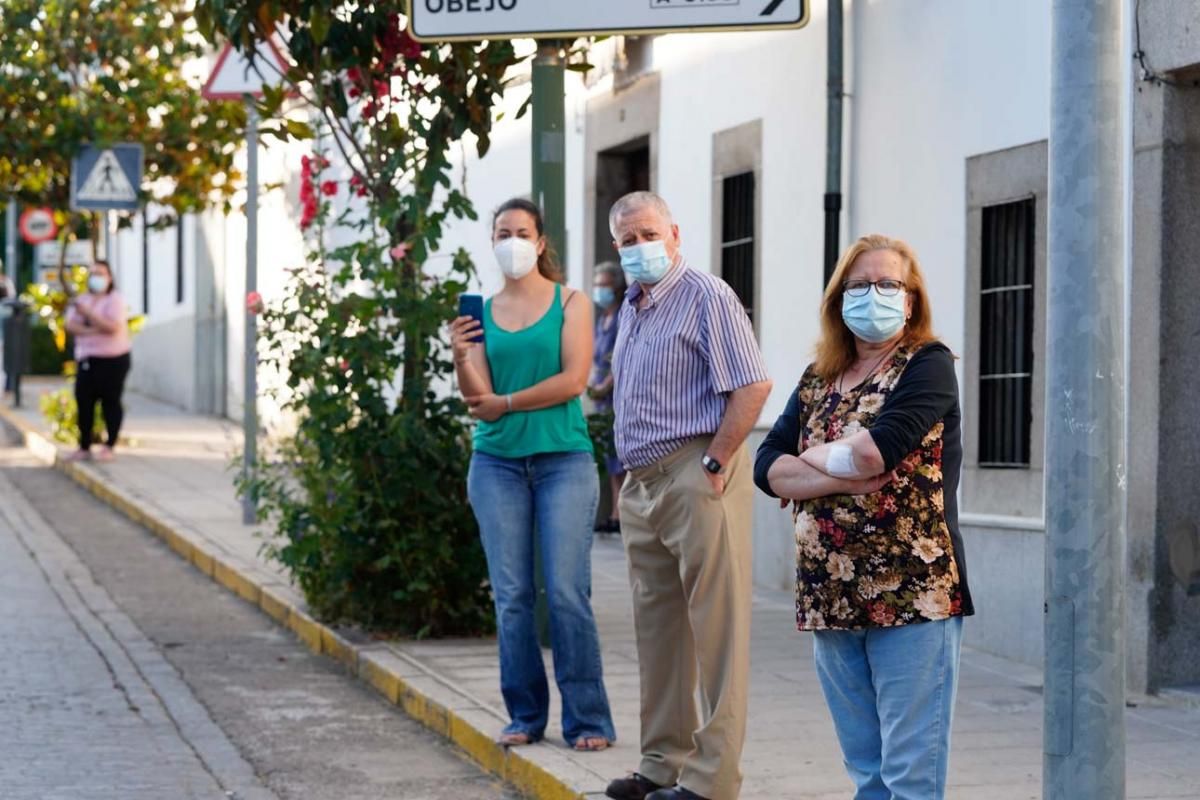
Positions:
{"x": 250, "y": 395}
{"x": 1084, "y": 740}
{"x": 835, "y": 91}
{"x": 548, "y": 110}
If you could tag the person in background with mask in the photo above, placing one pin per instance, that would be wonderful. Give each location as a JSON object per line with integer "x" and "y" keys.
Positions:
{"x": 533, "y": 481}
{"x": 608, "y": 292}
{"x": 690, "y": 383}
{"x": 99, "y": 323}
{"x": 868, "y": 451}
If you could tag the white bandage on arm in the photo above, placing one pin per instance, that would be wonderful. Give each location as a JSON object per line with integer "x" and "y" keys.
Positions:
{"x": 840, "y": 461}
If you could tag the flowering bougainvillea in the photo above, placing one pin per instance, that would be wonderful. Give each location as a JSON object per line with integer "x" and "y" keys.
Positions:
{"x": 367, "y": 492}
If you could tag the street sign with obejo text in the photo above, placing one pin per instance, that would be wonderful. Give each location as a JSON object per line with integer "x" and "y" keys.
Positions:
{"x": 442, "y": 20}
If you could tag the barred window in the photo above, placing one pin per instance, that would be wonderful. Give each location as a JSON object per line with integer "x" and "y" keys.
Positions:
{"x": 737, "y": 237}
{"x": 1006, "y": 335}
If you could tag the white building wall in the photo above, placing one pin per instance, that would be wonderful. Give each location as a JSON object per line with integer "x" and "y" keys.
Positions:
{"x": 929, "y": 84}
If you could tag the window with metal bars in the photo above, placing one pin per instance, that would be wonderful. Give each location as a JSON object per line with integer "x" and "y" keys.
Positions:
{"x": 1006, "y": 335}
{"x": 737, "y": 237}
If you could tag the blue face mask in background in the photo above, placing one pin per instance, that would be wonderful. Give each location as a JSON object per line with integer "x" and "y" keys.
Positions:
{"x": 603, "y": 296}
{"x": 645, "y": 263}
{"x": 873, "y": 317}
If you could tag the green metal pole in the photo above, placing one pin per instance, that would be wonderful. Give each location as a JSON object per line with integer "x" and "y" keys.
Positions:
{"x": 549, "y": 142}
{"x": 550, "y": 194}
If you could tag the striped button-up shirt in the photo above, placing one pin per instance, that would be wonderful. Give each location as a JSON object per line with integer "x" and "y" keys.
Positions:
{"x": 676, "y": 360}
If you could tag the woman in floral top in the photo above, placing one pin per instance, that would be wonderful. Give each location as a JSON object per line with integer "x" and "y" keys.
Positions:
{"x": 868, "y": 453}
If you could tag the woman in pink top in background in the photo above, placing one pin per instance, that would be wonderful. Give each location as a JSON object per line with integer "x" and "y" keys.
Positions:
{"x": 100, "y": 326}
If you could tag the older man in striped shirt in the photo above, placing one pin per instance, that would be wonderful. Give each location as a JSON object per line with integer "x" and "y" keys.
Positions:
{"x": 689, "y": 385}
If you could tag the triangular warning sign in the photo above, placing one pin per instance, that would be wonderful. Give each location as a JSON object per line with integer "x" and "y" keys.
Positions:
{"x": 234, "y": 75}
{"x": 107, "y": 182}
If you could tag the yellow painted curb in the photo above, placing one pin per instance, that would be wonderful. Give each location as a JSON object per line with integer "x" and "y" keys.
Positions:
{"x": 272, "y": 605}
{"x": 380, "y": 679}
{"x": 339, "y": 649}
{"x": 527, "y": 777}
{"x": 232, "y": 579}
{"x": 305, "y": 627}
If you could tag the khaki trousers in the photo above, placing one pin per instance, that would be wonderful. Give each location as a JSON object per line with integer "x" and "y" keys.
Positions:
{"x": 689, "y": 553}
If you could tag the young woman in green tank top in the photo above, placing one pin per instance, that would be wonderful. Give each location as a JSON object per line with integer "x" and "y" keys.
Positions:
{"x": 533, "y": 481}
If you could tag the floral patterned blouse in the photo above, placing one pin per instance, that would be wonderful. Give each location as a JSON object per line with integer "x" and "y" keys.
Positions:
{"x": 894, "y": 557}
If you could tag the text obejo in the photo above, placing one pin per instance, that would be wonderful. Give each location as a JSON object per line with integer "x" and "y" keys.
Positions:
{"x": 460, "y": 6}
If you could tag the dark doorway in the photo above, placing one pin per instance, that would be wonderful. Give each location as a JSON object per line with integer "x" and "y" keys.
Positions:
{"x": 619, "y": 171}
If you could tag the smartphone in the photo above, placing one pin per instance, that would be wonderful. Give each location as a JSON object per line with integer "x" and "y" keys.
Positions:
{"x": 471, "y": 305}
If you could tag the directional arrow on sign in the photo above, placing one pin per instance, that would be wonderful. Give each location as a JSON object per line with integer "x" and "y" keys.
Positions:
{"x": 770, "y": 9}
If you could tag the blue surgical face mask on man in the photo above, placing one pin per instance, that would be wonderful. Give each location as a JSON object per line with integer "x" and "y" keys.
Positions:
{"x": 647, "y": 262}
{"x": 873, "y": 317}
{"x": 603, "y": 296}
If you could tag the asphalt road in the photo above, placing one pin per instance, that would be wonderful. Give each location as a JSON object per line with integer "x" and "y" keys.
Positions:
{"x": 124, "y": 673}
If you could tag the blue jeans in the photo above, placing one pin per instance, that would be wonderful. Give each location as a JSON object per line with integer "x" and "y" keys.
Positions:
{"x": 546, "y": 501}
{"x": 891, "y": 693}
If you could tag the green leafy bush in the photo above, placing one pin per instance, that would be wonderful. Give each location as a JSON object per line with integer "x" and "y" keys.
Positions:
{"x": 366, "y": 488}
{"x": 62, "y": 414}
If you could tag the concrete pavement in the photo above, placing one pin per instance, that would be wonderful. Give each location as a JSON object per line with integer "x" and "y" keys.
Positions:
{"x": 176, "y": 481}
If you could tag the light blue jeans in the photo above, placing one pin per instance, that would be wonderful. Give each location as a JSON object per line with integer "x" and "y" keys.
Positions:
{"x": 891, "y": 693}
{"x": 546, "y": 501}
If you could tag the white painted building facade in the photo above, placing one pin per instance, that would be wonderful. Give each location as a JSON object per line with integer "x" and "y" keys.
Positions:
{"x": 947, "y": 114}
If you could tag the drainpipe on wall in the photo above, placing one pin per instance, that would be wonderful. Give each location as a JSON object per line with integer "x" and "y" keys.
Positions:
{"x": 833, "y": 138}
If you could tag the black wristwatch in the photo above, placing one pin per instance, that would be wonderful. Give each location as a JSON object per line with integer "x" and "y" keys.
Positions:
{"x": 711, "y": 464}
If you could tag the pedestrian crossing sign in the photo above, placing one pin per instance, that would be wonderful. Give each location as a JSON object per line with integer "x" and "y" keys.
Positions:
{"x": 106, "y": 178}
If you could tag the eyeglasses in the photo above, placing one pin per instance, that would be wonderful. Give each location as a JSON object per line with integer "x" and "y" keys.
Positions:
{"x": 886, "y": 287}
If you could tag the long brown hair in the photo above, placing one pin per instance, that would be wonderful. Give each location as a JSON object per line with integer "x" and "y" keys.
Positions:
{"x": 548, "y": 258}
{"x": 835, "y": 350}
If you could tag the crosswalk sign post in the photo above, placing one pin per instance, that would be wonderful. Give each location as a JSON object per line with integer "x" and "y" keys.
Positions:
{"x": 106, "y": 178}
{"x": 235, "y": 76}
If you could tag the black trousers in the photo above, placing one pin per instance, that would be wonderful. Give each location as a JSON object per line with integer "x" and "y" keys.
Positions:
{"x": 101, "y": 379}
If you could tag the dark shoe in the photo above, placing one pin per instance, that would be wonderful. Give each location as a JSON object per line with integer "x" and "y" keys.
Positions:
{"x": 631, "y": 787}
{"x": 675, "y": 792}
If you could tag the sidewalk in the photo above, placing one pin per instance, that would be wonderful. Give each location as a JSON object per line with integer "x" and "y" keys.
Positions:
{"x": 176, "y": 481}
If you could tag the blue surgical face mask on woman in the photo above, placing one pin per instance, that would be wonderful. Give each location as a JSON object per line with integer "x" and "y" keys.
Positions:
{"x": 603, "y": 296}
{"x": 873, "y": 317}
{"x": 97, "y": 284}
{"x": 647, "y": 262}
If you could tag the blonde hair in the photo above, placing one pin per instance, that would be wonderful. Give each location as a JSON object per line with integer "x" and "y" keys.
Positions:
{"x": 835, "y": 350}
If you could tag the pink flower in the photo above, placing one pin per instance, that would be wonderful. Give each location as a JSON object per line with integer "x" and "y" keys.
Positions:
{"x": 308, "y": 213}
{"x": 254, "y": 303}
{"x": 399, "y": 252}
{"x": 329, "y": 188}
{"x": 344, "y": 365}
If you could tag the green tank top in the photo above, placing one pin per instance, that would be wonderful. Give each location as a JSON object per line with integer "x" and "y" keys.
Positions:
{"x": 518, "y": 360}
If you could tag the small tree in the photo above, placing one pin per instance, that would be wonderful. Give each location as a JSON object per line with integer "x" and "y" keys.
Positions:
{"x": 369, "y": 493}
{"x": 104, "y": 71}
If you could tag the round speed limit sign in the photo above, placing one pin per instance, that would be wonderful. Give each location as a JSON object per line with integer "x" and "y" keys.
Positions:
{"x": 37, "y": 225}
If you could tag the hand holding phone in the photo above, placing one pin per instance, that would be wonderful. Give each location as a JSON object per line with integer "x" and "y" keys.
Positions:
{"x": 467, "y": 330}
